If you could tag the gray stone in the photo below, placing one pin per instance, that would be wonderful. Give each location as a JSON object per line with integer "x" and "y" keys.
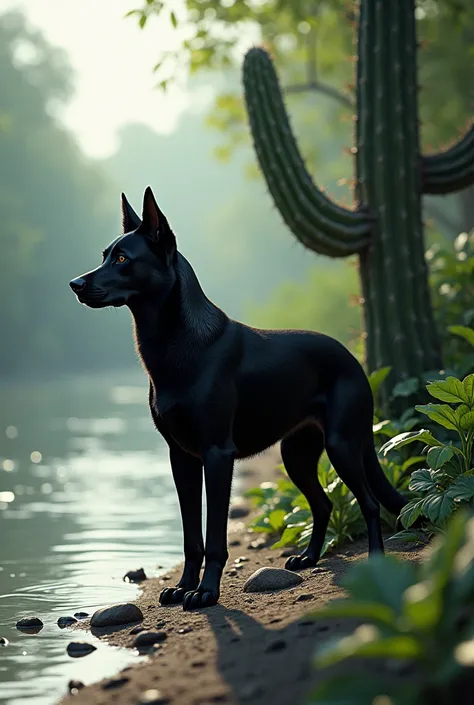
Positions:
{"x": 239, "y": 510}
{"x": 3, "y": 641}
{"x": 114, "y": 615}
{"x": 76, "y": 649}
{"x": 304, "y": 597}
{"x": 81, "y": 615}
{"x": 75, "y": 686}
{"x": 271, "y": 579}
{"x": 135, "y": 576}
{"x": 66, "y": 622}
{"x": 152, "y": 697}
{"x": 31, "y": 624}
{"x": 149, "y": 638}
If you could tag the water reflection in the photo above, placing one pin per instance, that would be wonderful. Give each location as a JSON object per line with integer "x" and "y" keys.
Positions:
{"x": 85, "y": 495}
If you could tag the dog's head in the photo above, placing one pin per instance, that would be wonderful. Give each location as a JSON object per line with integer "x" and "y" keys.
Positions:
{"x": 139, "y": 263}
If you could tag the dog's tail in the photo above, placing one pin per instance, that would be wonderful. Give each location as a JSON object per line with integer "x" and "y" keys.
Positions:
{"x": 387, "y": 495}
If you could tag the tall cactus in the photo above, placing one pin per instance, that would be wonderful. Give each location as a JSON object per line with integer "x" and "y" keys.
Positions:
{"x": 385, "y": 227}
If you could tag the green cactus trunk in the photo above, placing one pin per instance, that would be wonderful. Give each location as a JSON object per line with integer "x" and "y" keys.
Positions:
{"x": 385, "y": 228}
{"x": 397, "y": 308}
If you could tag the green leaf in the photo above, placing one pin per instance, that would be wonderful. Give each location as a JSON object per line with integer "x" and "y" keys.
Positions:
{"x": 422, "y": 480}
{"x": 374, "y": 612}
{"x": 142, "y": 21}
{"x": 441, "y": 413}
{"x": 276, "y": 519}
{"x": 380, "y": 579}
{"x": 438, "y": 456}
{"x": 450, "y": 390}
{"x": 465, "y": 417}
{"x": 462, "y": 489}
{"x": 404, "y": 439}
{"x": 173, "y": 19}
{"x": 360, "y": 690}
{"x": 422, "y": 605}
{"x": 409, "y": 536}
{"x": 377, "y": 377}
{"x": 411, "y": 512}
{"x": 413, "y": 460}
{"x": 406, "y": 388}
{"x": 289, "y": 536}
{"x": 365, "y": 642}
{"x": 463, "y": 332}
{"x": 437, "y": 507}
{"x": 468, "y": 384}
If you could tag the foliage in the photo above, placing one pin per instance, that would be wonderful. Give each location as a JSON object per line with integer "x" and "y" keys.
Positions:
{"x": 448, "y": 482}
{"x": 418, "y": 619}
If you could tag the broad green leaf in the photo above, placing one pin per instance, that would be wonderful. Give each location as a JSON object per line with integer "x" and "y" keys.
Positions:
{"x": 411, "y": 512}
{"x": 404, "y": 439}
{"x": 377, "y": 377}
{"x": 406, "y": 388}
{"x": 365, "y": 642}
{"x": 465, "y": 417}
{"x": 438, "y": 456}
{"x": 276, "y": 519}
{"x": 441, "y": 413}
{"x": 463, "y": 332}
{"x": 422, "y": 605}
{"x": 468, "y": 384}
{"x": 422, "y": 480}
{"x": 289, "y": 536}
{"x": 437, "y": 507}
{"x": 296, "y": 517}
{"x": 462, "y": 489}
{"x": 375, "y": 612}
{"x": 413, "y": 460}
{"x": 450, "y": 390}
{"x": 360, "y": 690}
{"x": 439, "y": 566}
{"x": 173, "y": 19}
{"x": 380, "y": 579}
{"x": 409, "y": 536}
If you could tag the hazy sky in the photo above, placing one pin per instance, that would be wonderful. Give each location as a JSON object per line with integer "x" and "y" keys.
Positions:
{"x": 113, "y": 61}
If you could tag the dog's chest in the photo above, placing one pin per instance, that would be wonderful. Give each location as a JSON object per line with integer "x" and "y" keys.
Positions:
{"x": 174, "y": 418}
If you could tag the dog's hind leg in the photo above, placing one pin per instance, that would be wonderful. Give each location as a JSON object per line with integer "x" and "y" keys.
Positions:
{"x": 300, "y": 452}
{"x": 187, "y": 475}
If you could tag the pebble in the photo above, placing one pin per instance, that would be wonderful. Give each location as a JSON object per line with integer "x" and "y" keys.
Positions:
{"x": 75, "y": 686}
{"x": 81, "y": 615}
{"x": 137, "y": 630}
{"x": 267, "y": 578}
{"x": 277, "y": 645}
{"x": 185, "y": 630}
{"x": 304, "y": 597}
{"x": 115, "y": 683}
{"x": 135, "y": 576}
{"x": 77, "y": 649}
{"x": 33, "y": 624}
{"x": 66, "y": 622}
{"x": 147, "y": 638}
{"x": 241, "y": 559}
{"x": 239, "y": 511}
{"x": 152, "y": 697}
{"x": 114, "y": 615}
{"x": 3, "y": 641}
{"x": 257, "y": 544}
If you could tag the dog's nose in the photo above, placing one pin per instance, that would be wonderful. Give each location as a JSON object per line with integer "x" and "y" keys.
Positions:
{"x": 77, "y": 284}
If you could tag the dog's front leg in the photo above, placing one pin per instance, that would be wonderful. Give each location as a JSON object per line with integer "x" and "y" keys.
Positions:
{"x": 218, "y": 469}
{"x": 187, "y": 475}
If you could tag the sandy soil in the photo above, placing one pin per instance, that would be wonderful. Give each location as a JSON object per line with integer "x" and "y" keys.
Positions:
{"x": 251, "y": 648}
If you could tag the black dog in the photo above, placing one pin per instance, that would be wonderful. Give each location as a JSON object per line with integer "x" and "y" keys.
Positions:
{"x": 220, "y": 391}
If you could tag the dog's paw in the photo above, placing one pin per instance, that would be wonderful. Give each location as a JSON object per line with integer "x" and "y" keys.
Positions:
{"x": 201, "y": 597}
{"x": 300, "y": 562}
{"x": 172, "y": 596}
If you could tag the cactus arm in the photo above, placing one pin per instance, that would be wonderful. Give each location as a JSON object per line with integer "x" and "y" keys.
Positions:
{"x": 317, "y": 222}
{"x": 451, "y": 170}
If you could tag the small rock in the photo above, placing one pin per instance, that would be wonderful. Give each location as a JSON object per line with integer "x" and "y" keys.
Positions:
{"x": 30, "y": 624}
{"x": 77, "y": 649}
{"x": 257, "y": 544}
{"x": 318, "y": 570}
{"x": 241, "y": 559}
{"x": 239, "y": 567}
{"x": 304, "y": 597}
{"x": 271, "y": 579}
{"x": 231, "y": 571}
{"x": 3, "y": 641}
{"x": 185, "y": 630}
{"x": 81, "y": 615}
{"x": 137, "y": 630}
{"x": 250, "y": 691}
{"x": 235, "y": 542}
{"x": 152, "y": 697}
{"x": 135, "y": 576}
{"x": 114, "y": 615}
{"x": 66, "y": 622}
{"x": 115, "y": 683}
{"x": 148, "y": 638}
{"x": 277, "y": 645}
{"x": 75, "y": 686}
{"x": 239, "y": 511}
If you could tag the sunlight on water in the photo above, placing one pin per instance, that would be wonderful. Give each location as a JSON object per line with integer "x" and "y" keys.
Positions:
{"x": 86, "y": 494}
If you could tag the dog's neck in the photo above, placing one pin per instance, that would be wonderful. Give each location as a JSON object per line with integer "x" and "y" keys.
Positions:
{"x": 169, "y": 332}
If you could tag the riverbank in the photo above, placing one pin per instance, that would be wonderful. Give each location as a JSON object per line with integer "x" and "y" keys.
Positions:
{"x": 251, "y": 648}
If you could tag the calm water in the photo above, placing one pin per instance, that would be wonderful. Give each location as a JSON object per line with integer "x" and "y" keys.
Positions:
{"x": 86, "y": 494}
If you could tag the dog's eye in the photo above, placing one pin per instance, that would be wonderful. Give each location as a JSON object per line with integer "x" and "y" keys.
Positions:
{"x": 120, "y": 259}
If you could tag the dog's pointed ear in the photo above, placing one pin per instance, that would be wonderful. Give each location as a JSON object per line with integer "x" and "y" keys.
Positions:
{"x": 130, "y": 220}
{"x": 155, "y": 226}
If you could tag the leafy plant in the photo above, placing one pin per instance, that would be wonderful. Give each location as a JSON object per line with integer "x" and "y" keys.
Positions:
{"x": 417, "y": 617}
{"x": 448, "y": 482}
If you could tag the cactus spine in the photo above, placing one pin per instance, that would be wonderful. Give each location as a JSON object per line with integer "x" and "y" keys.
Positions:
{"x": 385, "y": 227}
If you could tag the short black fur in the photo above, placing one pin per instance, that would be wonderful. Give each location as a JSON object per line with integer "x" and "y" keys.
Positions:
{"x": 220, "y": 390}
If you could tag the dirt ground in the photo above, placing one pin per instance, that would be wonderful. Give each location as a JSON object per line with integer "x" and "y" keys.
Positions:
{"x": 251, "y": 648}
